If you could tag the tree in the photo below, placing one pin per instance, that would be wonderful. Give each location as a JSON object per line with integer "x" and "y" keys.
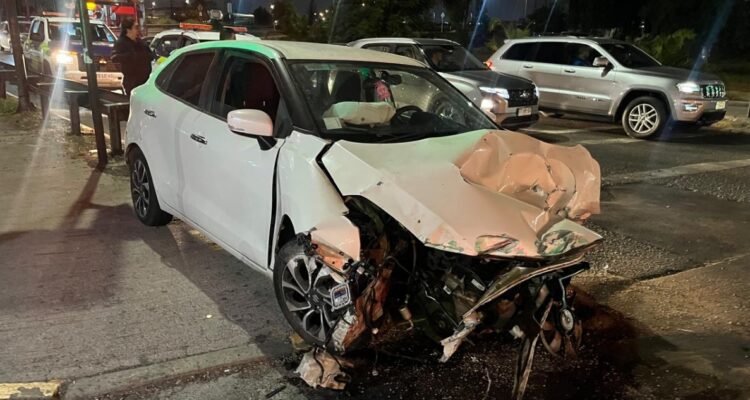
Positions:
{"x": 263, "y": 17}
{"x": 458, "y": 14}
{"x": 24, "y": 101}
{"x": 356, "y": 19}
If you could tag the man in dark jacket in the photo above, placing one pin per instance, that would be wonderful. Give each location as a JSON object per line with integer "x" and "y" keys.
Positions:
{"x": 133, "y": 56}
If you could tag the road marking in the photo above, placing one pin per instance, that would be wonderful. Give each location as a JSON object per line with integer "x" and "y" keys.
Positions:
{"x": 569, "y": 131}
{"x": 610, "y": 141}
{"x": 688, "y": 169}
{"x": 29, "y": 390}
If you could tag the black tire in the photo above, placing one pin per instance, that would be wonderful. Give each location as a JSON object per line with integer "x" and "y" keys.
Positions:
{"x": 143, "y": 193}
{"x": 290, "y": 254}
{"x": 644, "y": 117}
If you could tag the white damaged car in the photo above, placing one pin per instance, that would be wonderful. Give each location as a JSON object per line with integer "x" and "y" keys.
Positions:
{"x": 322, "y": 167}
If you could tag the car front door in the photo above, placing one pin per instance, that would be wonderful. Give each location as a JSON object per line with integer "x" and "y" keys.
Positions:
{"x": 33, "y": 48}
{"x": 228, "y": 178}
{"x": 588, "y": 89}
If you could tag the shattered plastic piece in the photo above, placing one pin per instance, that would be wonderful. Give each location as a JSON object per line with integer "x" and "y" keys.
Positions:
{"x": 451, "y": 343}
{"x": 320, "y": 368}
{"x": 337, "y": 242}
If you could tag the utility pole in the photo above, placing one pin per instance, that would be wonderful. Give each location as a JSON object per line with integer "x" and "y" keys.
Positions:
{"x": 24, "y": 101}
{"x": 96, "y": 114}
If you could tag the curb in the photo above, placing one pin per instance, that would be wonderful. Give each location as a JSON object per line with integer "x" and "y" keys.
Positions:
{"x": 116, "y": 381}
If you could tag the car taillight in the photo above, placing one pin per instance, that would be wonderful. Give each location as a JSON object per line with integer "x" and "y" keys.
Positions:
{"x": 489, "y": 64}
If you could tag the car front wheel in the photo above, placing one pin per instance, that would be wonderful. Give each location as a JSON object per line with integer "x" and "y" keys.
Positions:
{"x": 302, "y": 285}
{"x": 145, "y": 202}
{"x": 644, "y": 117}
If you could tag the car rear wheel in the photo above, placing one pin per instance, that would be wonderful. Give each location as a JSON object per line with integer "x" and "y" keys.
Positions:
{"x": 145, "y": 202}
{"x": 643, "y": 117}
{"x": 302, "y": 285}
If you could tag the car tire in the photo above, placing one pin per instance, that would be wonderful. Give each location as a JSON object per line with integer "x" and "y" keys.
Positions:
{"x": 304, "y": 304}
{"x": 142, "y": 191}
{"x": 644, "y": 117}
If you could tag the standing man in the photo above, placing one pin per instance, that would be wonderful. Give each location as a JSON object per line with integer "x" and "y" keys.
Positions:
{"x": 133, "y": 55}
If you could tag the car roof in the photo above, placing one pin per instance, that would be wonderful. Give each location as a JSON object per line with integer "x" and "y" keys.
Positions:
{"x": 70, "y": 20}
{"x": 310, "y": 51}
{"x": 203, "y": 35}
{"x": 399, "y": 40}
{"x": 576, "y": 39}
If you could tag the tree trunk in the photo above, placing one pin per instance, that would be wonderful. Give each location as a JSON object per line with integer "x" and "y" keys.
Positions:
{"x": 24, "y": 102}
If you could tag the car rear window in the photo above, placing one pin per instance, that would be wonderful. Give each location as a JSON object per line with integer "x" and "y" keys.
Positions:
{"x": 543, "y": 52}
{"x": 187, "y": 80}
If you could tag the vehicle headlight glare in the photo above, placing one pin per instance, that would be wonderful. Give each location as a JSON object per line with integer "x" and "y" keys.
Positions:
{"x": 488, "y": 104}
{"x": 64, "y": 57}
{"x": 502, "y": 92}
{"x": 689, "y": 87}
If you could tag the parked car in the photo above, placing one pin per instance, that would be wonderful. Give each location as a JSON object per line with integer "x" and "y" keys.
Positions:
{"x": 613, "y": 79}
{"x": 512, "y": 100}
{"x": 325, "y": 167}
{"x": 167, "y": 41}
{"x": 55, "y": 47}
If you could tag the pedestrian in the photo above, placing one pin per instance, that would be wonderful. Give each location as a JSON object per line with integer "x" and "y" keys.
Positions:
{"x": 133, "y": 55}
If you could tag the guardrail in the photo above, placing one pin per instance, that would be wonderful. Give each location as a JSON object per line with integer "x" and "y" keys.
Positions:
{"x": 114, "y": 105}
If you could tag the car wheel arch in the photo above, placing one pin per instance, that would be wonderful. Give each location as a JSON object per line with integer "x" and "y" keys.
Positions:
{"x": 635, "y": 93}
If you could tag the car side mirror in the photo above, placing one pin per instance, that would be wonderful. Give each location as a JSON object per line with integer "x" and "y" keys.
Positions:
{"x": 250, "y": 122}
{"x": 601, "y": 62}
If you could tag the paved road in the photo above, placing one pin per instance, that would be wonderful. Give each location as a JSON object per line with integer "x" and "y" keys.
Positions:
{"x": 87, "y": 293}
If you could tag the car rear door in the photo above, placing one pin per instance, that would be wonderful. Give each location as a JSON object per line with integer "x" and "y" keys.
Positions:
{"x": 228, "y": 178}
{"x": 543, "y": 65}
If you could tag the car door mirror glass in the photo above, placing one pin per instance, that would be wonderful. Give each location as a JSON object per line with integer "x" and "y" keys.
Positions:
{"x": 250, "y": 122}
{"x": 601, "y": 62}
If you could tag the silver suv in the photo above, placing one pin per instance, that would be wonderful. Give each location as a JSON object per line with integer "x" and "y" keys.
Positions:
{"x": 613, "y": 79}
{"x": 511, "y": 101}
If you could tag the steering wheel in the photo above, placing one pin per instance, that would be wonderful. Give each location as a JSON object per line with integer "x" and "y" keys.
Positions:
{"x": 398, "y": 117}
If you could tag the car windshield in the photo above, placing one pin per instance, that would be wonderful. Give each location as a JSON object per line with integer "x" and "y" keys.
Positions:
{"x": 72, "y": 31}
{"x": 384, "y": 102}
{"x": 451, "y": 58}
{"x": 630, "y": 56}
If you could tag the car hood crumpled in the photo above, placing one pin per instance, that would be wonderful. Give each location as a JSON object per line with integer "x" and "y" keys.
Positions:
{"x": 490, "y": 193}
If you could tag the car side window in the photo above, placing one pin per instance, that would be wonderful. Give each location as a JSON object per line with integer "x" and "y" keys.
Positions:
{"x": 407, "y": 51}
{"x": 378, "y": 47}
{"x": 580, "y": 55}
{"x": 36, "y": 34}
{"x": 187, "y": 80}
{"x": 549, "y": 53}
{"x": 166, "y": 45}
{"x": 246, "y": 83}
{"x": 518, "y": 52}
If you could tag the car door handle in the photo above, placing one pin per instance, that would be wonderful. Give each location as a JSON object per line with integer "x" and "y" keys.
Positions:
{"x": 528, "y": 66}
{"x": 570, "y": 70}
{"x": 198, "y": 138}
{"x": 150, "y": 113}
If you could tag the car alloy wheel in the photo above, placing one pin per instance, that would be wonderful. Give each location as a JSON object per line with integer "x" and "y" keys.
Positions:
{"x": 643, "y": 119}
{"x": 141, "y": 188}
{"x": 305, "y": 290}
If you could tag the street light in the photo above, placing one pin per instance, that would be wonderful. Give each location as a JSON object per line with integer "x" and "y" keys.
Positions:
{"x": 273, "y": 6}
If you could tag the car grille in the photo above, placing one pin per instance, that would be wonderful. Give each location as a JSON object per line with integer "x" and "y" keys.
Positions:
{"x": 103, "y": 64}
{"x": 522, "y": 97}
{"x": 716, "y": 91}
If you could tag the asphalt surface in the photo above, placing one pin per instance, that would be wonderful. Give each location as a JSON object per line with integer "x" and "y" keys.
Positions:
{"x": 87, "y": 292}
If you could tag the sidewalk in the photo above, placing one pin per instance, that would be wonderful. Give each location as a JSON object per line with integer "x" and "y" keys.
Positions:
{"x": 86, "y": 289}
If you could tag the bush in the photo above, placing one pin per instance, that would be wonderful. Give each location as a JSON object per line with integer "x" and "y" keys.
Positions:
{"x": 8, "y": 106}
{"x": 672, "y": 49}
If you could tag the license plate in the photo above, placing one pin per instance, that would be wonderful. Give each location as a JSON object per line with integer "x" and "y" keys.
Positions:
{"x": 720, "y": 105}
{"x": 524, "y": 111}
{"x": 340, "y": 296}
{"x": 109, "y": 76}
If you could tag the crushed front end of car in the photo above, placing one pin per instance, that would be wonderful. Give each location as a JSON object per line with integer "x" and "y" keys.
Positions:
{"x": 450, "y": 235}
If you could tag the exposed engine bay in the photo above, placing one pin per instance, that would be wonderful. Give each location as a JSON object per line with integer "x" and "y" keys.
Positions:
{"x": 450, "y": 277}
